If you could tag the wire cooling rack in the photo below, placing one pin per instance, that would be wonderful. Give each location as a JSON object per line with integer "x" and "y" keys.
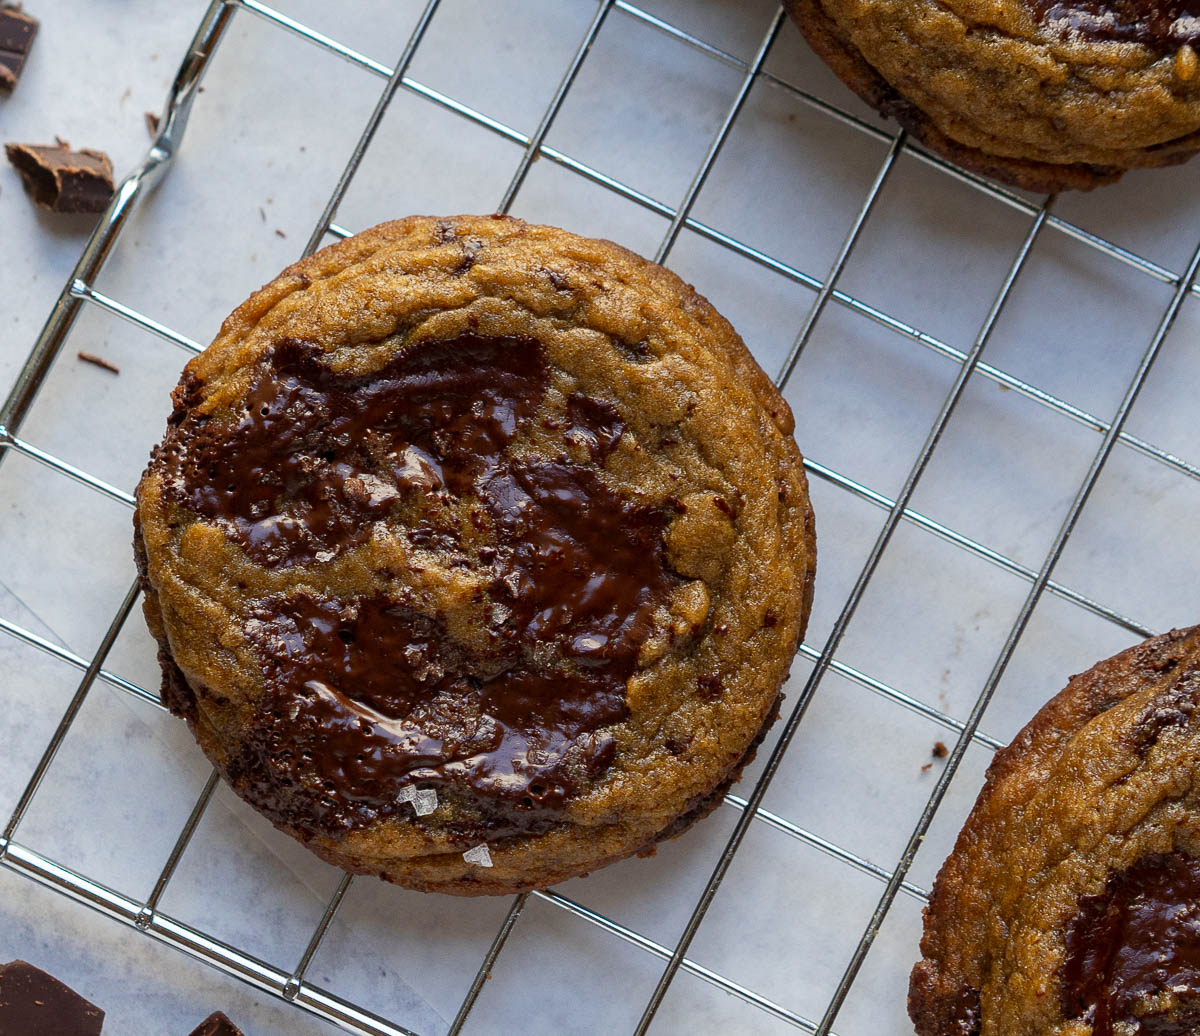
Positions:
{"x": 819, "y": 665}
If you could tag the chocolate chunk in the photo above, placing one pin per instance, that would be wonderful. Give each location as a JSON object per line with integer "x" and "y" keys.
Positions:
{"x": 216, "y": 1024}
{"x": 595, "y": 425}
{"x": 1171, "y": 709}
{"x": 17, "y": 31}
{"x": 62, "y": 180}
{"x": 1133, "y": 952}
{"x": 1161, "y": 25}
{"x": 33, "y": 1003}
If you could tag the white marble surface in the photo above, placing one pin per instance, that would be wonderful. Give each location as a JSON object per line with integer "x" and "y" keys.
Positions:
{"x": 268, "y": 139}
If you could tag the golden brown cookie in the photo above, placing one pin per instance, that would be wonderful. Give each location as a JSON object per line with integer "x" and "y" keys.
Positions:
{"x": 1039, "y": 94}
{"x": 471, "y": 534}
{"x": 1071, "y": 903}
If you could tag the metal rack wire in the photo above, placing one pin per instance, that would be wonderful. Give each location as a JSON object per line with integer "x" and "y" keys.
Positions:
{"x": 80, "y": 291}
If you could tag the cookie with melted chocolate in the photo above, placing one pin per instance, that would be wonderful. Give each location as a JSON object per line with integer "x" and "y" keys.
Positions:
{"x": 467, "y": 532}
{"x": 1045, "y": 95}
{"x": 1071, "y": 903}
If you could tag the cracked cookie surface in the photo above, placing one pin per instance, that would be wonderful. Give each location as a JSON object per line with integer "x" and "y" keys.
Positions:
{"x": 1071, "y": 903}
{"x": 483, "y": 509}
{"x": 1040, "y": 94}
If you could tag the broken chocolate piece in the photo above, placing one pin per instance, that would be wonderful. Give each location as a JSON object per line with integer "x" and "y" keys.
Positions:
{"x": 99, "y": 361}
{"x": 33, "y": 1003}
{"x": 17, "y": 31}
{"x": 216, "y": 1024}
{"x": 62, "y": 180}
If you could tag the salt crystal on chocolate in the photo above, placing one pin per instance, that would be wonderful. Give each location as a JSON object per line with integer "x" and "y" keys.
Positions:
{"x": 479, "y": 856}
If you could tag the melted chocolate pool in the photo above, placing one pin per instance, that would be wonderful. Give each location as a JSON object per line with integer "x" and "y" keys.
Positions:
{"x": 366, "y": 696}
{"x": 1161, "y": 25}
{"x": 1138, "y": 939}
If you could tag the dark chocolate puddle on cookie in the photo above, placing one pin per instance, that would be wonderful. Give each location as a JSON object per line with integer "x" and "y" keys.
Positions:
{"x": 366, "y": 696}
{"x": 317, "y": 457}
{"x": 1139, "y": 939}
{"x": 1161, "y": 25}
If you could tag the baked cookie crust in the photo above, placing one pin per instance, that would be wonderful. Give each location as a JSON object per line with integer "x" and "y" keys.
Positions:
{"x": 485, "y": 509}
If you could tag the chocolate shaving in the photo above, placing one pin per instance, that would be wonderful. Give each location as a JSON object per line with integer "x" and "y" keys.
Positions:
{"x": 99, "y": 361}
{"x": 17, "y": 30}
{"x": 216, "y": 1024}
{"x": 62, "y": 180}
{"x": 34, "y": 1003}
{"x": 152, "y": 123}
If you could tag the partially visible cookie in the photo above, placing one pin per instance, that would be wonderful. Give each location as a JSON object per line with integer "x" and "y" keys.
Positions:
{"x": 1039, "y": 94}
{"x": 477, "y": 553}
{"x": 1071, "y": 903}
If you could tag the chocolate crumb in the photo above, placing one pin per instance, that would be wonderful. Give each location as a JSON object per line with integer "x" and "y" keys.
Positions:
{"x": 927, "y": 767}
{"x": 99, "y": 361}
{"x": 279, "y": 233}
{"x": 152, "y": 123}
{"x": 34, "y": 1003}
{"x": 62, "y": 180}
{"x": 216, "y": 1024}
{"x": 262, "y": 212}
{"x": 940, "y": 751}
{"x": 17, "y": 31}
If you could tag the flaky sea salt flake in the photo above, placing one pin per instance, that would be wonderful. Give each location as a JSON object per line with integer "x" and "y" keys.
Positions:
{"x": 407, "y": 794}
{"x": 425, "y": 802}
{"x": 478, "y": 856}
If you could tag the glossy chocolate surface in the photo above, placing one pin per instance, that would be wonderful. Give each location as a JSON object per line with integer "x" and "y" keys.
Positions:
{"x": 1135, "y": 943}
{"x": 316, "y": 458}
{"x": 1161, "y": 25}
{"x": 369, "y": 695}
